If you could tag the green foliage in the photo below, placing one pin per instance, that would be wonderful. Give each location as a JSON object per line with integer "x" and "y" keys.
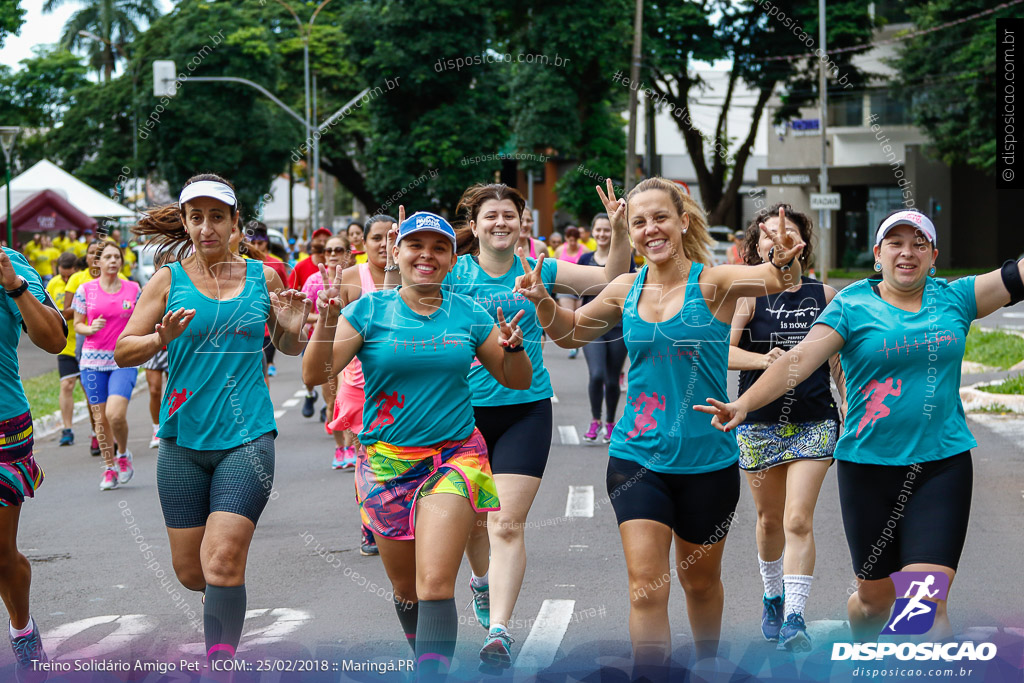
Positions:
{"x": 996, "y": 349}
{"x": 43, "y": 395}
{"x": 951, "y": 74}
{"x": 12, "y": 16}
{"x": 116, "y": 22}
{"x": 1013, "y": 385}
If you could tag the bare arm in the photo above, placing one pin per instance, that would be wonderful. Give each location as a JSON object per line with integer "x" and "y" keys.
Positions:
{"x": 44, "y": 325}
{"x": 573, "y": 278}
{"x": 512, "y": 370}
{"x": 990, "y": 293}
{"x": 150, "y": 328}
{"x": 573, "y": 329}
{"x": 741, "y": 359}
{"x": 288, "y": 312}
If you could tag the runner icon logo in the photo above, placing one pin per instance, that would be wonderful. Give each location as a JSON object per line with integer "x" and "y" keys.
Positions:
{"x": 914, "y": 613}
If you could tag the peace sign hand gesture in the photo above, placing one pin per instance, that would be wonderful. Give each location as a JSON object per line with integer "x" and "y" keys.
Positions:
{"x": 328, "y": 299}
{"x": 788, "y": 245}
{"x": 726, "y": 416}
{"x": 530, "y": 284}
{"x": 615, "y": 208}
{"x": 510, "y": 335}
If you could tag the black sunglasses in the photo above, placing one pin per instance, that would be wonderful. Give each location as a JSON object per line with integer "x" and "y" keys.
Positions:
{"x": 335, "y": 250}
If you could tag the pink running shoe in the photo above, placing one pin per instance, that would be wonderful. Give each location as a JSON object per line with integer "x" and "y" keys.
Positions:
{"x": 591, "y": 435}
{"x": 608, "y": 429}
{"x": 339, "y": 457}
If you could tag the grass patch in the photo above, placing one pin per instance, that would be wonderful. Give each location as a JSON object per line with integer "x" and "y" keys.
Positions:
{"x": 43, "y": 393}
{"x": 996, "y": 408}
{"x": 1013, "y": 385}
{"x": 997, "y": 349}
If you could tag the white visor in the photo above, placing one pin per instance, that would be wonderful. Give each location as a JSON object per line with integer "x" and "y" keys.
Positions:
{"x": 914, "y": 219}
{"x": 208, "y": 188}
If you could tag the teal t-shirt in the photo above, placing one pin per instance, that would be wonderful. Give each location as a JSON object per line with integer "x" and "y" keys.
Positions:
{"x": 216, "y": 397}
{"x": 469, "y": 279}
{"x": 674, "y": 365}
{"x": 417, "y": 367}
{"x": 903, "y": 373}
{"x": 14, "y": 402}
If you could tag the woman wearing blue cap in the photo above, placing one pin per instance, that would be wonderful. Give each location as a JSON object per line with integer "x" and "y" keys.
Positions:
{"x": 904, "y": 459}
{"x": 215, "y": 467}
{"x": 426, "y": 473}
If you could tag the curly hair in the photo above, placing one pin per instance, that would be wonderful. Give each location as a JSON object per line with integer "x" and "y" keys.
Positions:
{"x": 753, "y": 232}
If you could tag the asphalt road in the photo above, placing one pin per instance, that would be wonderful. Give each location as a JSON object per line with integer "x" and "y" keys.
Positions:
{"x": 95, "y": 595}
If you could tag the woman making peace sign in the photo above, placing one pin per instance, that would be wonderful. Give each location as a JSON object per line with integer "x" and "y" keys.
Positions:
{"x": 670, "y": 476}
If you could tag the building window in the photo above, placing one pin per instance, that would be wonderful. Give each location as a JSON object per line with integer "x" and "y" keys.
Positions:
{"x": 890, "y": 108}
{"x": 882, "y": 201}
{"x": 846, "y": 110}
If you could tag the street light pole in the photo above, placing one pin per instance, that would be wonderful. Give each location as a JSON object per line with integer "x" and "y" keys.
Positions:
{"x": 7, "y": 137}
{"x": 825, "y": 215}
{"x": 634, "y": 78}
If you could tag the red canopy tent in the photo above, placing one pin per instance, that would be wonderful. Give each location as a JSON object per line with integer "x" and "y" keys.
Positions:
{"x": 45, "y": 211}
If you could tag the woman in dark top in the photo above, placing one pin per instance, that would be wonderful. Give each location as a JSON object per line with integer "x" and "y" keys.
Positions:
{"x": 785, "y": 447}
{"x": 607, "y": 354}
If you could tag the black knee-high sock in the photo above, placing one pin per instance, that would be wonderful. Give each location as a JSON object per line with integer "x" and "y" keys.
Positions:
{"x": 223, "y": 614}
{"x": 408, "y": 613}
{"x": 436, "y": 630}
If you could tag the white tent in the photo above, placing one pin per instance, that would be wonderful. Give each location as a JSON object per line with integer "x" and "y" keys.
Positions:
{"x": 48, "y": 176}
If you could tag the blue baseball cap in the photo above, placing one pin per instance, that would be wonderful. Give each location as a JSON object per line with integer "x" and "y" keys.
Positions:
{"x": 426, "y": 221}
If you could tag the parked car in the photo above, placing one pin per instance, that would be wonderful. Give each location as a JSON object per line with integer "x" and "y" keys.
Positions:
{"x": 723, "y": 238}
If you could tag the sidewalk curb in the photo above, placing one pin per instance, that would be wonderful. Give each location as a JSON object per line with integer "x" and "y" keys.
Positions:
{"x": 49, "y": 425}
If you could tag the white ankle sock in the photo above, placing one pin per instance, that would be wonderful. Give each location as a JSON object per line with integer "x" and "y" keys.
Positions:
{"x": 771, "y": 574}
{"x": 497, "y": 627}
{"x": 479, "y": 581}
{"x": 18, "y": 633}
{"x": 798, "y": 587}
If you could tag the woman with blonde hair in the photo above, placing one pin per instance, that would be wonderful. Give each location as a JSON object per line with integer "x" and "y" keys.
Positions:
{"x": 671, "y": 477}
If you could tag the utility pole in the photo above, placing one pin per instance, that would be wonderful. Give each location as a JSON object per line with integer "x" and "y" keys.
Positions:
{"x": 824, "y": 215}
{"x": 634, "y": 84}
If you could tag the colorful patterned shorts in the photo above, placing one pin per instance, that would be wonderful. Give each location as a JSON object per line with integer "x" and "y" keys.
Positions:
{"x": 767, "y": 444}
{"x": 20, "y": 476}
{"x": 390, "y": 479}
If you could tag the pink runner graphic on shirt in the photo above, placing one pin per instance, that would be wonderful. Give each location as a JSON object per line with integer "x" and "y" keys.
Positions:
{"x": 176, "y": 399}
{"x": 385, "y": 404}
{"x": 645, "y": 406}
{"x": 876, "y": 409}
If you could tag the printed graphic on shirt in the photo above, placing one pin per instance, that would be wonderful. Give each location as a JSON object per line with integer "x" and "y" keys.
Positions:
{"x": 385, "y": 404}
{"x": 876, "y": 392}
{"x": 645, "y": 421}
{"x": 176, "y": 399}
{"x": 930, "y": 343}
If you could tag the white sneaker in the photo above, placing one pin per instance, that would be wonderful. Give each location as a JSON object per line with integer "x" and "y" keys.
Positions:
{"x": 125, "y": 471}
{"x": 155, "y": 441}
{"x": 109, "y": 481}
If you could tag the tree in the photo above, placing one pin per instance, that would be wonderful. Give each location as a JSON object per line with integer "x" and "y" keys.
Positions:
{"x": 116, "y": 23}
{"x": 747, "y": 34}
{"x": 952, "y": 74}
{"x": 12, "y": 16}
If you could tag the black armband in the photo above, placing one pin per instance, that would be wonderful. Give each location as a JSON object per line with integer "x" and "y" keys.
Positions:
{"x": 1013, "y": 282}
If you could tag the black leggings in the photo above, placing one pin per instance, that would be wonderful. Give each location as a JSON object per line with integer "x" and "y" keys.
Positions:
{"x": 605, "y": 357}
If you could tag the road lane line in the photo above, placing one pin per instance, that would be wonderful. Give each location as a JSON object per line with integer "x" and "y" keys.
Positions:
{"x": 291, "y": 403}
{"x": 568, "y": 435}
{"x": 541, "y": 645}
{"x": 301, "y": 393}
{"x": 278, "y": 414}
{"x": 580, "y": 502}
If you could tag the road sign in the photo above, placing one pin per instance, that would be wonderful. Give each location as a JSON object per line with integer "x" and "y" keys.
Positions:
{"x": 164, "y": 78}
{"x": 829, "y": 201}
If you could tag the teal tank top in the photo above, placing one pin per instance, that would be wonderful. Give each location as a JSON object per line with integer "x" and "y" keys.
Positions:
{"x": 674, "y": 365}
{"x": 216, "y": 397}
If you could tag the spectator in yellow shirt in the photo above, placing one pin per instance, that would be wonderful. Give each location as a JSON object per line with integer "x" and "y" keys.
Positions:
{"x": 44, "y": 257}
{"x": 67, "y": 364}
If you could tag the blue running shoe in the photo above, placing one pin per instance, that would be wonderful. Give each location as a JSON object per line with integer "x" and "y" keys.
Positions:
{"x": 67, "y": 437}
{"x": 27, "y": 649}
{"x": 793, "y": 635}
{"x": 771, "y": 617}
{"x": 481, "y": 604}
{"x": 497, "y": 651}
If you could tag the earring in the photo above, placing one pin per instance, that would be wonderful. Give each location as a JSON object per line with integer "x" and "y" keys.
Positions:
{"x": 878, "y": 267}
{"x": 932, "y": 271}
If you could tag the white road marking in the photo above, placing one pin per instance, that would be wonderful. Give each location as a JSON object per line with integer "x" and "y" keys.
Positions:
{"x": 278, "y": 414}
{"x": 541, "y": 645}
{"x": 301, "y": 393}
{"x": 1012, "y": 315}
{"x": 580, "y": 502}
{"x": 291, "y": 403}
{"x": 568, "y": 435}
{"x": 286, "y": 621}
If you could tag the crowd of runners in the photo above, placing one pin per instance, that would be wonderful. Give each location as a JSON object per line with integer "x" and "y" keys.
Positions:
{"x": 425, "y": 338}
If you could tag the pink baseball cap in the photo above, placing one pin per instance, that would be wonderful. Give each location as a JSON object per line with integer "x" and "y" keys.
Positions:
{"x": 909, "y": 217}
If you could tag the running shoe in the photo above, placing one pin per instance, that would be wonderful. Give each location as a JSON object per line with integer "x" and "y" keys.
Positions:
{"x": 94, "y": 446}
{"x": 497, "y": 650}
{"x": 771, "y": 617}
{"x": 155, "y": 441}
{"x": 272, "y": 371}
{"x": 125, "y": 471}
{"x": 793, "y": 635}
{"x": 109, "y": 481}
{"x": 339, "y": 457}
{"x": 368, "y": 546}
{"x": 608, "y": 429}
{"x": 323, "y": 414}
{"x": 29, "y": 648}
{"x": 573, "y": 353}
{"x": 481, "y": 604}
{"x": 622, "y": 381}
{"x": 595, "y": 429}
{"x": 308, "y": 403}
{"x": 349, "y": 463}
{"x": 67, "y": 437}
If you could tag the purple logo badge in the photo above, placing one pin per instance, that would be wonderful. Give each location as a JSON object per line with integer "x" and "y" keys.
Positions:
{"x": 916, "y": 593}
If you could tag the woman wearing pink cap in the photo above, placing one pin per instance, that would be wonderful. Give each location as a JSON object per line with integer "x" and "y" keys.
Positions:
{"x": 904, "y": 459}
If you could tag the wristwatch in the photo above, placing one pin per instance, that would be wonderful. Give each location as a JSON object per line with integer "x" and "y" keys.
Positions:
{"x": 771, "y": 260}
{"x": 392, "y": 268}
{"x": 18, "y": 291}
